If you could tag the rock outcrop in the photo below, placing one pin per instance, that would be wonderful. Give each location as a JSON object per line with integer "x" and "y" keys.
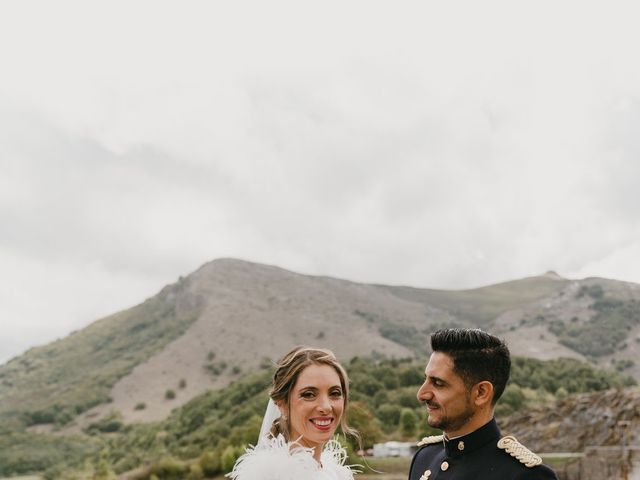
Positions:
{"x": 609, "y": 418}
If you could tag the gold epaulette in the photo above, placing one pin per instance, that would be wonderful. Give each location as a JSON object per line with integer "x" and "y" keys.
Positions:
{"x": 514, "y": 448}
{"x": 430, "y": 440}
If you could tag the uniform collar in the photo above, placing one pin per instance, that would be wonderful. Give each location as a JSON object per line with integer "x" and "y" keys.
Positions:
{"x": 472, "y": 441}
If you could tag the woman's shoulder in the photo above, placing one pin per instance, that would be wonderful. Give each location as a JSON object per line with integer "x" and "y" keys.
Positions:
{"x": 334, "y": 457}
{"x": 274, "y": 459}
{"x": 335, "y": 472}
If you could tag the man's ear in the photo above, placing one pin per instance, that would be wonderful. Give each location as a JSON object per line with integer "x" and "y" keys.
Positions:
{"x": 483, "y": 393}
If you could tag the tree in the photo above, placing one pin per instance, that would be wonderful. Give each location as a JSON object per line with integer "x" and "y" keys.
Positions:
{"x": 411, "y": 376}
{"x": 514, "y": 397}
{"x": 228, "y": 458}
{"x": 361, "y": 418}
{"x": 210, "y": 462}
{"x": 389, "y": 415}
{"x": 388, "y": 376}
{"x": 102, "y": 470}
{"x": 248, "y": 432}
{"x": 408, "y": 422}
{"x": 195, "y": 472}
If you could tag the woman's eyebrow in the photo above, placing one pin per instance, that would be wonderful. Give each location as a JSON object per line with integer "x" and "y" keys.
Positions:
{"x": 312, "y": 387}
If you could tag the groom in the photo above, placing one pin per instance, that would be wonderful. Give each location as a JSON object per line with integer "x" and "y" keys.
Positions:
{"x": 466, "y": 375}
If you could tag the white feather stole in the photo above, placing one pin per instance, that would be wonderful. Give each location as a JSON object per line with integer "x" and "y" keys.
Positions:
{"x": 276, "y": 459}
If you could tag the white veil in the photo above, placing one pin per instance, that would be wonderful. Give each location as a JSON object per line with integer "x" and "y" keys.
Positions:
{"x": 272, "y": 413}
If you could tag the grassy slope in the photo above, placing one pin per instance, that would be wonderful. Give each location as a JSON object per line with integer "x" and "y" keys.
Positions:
{"x": 481, "y": 306}
{"x": 54, "y": 382}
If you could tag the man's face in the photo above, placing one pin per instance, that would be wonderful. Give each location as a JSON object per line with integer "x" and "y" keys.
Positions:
{"x": 446, "y": 397}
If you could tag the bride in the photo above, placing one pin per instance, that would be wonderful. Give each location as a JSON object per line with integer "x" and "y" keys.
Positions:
{"x": 309, "y": 397}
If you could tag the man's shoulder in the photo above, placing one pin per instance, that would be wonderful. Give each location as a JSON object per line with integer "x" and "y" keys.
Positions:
{"x": 430, "y": 440}
{"x": 513, "y": 447}
{"x": 504, "y": 458}
{"x": 518, "y": 458}
{"x": 430, "y": 450}
{"x": 430, "y": 446}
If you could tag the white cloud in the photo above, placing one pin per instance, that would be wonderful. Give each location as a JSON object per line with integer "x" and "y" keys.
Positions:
{"x": 434, "y": 144}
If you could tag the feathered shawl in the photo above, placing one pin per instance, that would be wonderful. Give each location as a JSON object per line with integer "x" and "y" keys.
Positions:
{"x": 276, "y": 459}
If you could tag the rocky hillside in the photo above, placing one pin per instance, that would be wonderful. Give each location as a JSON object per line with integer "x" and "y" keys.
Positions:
{"x": 232, "y": 317}
{"x": 609, "y": 418}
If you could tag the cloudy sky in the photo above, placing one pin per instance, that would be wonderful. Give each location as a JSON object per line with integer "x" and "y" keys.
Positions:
{"x": 435, "y": 144}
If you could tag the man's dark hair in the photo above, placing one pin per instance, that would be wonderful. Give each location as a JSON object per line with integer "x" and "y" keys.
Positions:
{"x": 477, "y": 356}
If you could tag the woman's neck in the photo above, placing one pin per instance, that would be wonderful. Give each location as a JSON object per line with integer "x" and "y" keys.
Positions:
{"x": 317, "y": 453}
{"x": 317, "y": 448}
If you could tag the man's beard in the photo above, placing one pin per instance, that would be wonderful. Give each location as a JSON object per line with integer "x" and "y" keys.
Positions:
{"x": 451, "y": 424}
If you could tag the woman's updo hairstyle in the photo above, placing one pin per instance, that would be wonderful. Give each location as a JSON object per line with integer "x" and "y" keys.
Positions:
{"x": 288, "y": 370}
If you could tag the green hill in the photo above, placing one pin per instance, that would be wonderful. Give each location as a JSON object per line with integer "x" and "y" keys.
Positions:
{"x": 56, "y": 382}
{"x": 481, "y": 306}
{"x": 223, "y": 422}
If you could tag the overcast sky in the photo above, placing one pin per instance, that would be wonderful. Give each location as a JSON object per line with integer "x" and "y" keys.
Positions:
{"x": 434, "y": 144}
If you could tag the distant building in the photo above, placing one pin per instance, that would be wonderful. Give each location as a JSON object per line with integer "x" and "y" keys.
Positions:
{"x": 394, "y": 449}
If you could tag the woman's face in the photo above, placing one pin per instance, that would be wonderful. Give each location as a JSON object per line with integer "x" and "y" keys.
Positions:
{"x": 316, "y": 404}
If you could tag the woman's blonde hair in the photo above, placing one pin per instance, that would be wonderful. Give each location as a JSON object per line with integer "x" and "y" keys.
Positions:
{"x": 287, "y": 372}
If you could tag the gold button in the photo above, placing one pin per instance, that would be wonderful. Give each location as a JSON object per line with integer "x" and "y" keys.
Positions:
{"x": 426, "y": 475}
{"x": 460, "y": 445}
{"x": 445, "y": 466}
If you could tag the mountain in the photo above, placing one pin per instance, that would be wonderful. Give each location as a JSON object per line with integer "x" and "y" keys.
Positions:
{"x": 232, "y": 317}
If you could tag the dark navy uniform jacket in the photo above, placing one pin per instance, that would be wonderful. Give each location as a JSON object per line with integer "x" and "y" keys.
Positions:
{"x": 477, "y": 456}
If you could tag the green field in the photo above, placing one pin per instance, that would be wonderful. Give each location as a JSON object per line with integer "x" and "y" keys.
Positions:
{"x": 28, "y": 477}
{"x": 385, "y": 468}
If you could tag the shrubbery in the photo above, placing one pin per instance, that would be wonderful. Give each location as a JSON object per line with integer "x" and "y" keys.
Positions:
{"x": 606, "y": 331}
{"x": 572, "y": 375}
{"x": 24, "y": 453}
{"x": 108, "y": 424}
{"x": 79, "y": 371}
{"x": 205, "y": 436}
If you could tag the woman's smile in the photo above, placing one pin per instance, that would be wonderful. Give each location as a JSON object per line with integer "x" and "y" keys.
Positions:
{"x": 323, "y": 423}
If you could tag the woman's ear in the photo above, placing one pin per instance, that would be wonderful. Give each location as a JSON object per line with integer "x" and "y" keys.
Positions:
{"x": 483, "y": 393}
{"x": 282, "y": 406}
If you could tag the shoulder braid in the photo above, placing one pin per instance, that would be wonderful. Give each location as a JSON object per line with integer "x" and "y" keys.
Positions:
{"x": 430, "y": 440}
{"x": 514, "y": 448}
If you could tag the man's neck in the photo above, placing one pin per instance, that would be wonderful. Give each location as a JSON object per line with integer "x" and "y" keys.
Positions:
{"x": 474, "y": 423}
